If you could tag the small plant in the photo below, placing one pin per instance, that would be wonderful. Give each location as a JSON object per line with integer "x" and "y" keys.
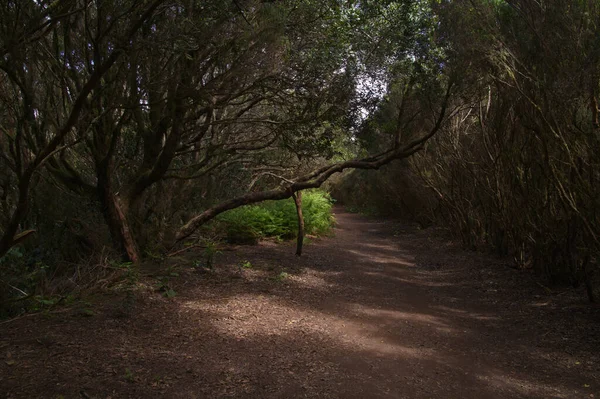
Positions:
{"x": 130, "y": 272}
{"x": 131, "y": 278}
{"x": 44, "y": 303}
{"x": 172, "y": 271}
{"x": 164, "y": 287}
{"x": 281, "y": 276}
{"x": 210, "y": 251}
{"x": 87, "y": 312}
{"x": 246, "y": 264}
{"x": 129, "y": 377}
{"x": 155, "y": 256}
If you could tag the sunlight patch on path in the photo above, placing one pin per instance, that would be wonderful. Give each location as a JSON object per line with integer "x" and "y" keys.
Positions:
{"x": 503, "y": 383}
{"x": 269, "y": 317}
{"x": 383, "y": 259}
{"x": 405, "y": 317}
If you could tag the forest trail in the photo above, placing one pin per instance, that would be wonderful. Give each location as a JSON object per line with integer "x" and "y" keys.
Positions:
{"x": 380, "y": 310}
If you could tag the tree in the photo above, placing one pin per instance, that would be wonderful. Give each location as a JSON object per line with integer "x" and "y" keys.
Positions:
{"x": 43, "y": 117}
{"x": 156, "y": 99}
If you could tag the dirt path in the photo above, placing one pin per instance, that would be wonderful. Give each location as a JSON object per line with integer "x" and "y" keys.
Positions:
{"x": 378, "y": 311}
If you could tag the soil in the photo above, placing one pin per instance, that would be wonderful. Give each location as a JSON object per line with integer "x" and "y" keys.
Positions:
{"x": 379, "y": 310}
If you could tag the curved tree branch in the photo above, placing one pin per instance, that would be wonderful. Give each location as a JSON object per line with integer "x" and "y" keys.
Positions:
{"x": 316, "y": 178}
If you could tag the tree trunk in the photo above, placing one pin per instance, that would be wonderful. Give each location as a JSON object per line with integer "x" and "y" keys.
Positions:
{"x": 115, "y": 218}
{"x": 7, "y": 240}
{"x": 298, "y": 201}
{"x": 594, "y": 108}
{"x": 120, "y": 231}
{"x": 587, "y": 280}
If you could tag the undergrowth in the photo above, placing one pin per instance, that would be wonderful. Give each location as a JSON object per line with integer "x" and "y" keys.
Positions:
{"x": 248, "y": 224}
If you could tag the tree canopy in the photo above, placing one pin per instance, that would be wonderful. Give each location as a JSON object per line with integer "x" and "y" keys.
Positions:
{"x": 127, "y": 103}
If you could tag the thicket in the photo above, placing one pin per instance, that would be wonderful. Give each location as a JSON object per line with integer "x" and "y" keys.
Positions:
{"x": 516, "y": 167}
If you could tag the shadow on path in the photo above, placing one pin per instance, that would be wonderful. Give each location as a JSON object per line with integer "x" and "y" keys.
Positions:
{"x": 378, "y": 311}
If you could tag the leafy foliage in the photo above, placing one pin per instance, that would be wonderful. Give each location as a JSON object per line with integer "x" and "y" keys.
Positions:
{"x": 248, "y": 224}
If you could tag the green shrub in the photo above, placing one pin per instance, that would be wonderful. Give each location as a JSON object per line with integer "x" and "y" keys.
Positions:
{"x": 248, "y": 224}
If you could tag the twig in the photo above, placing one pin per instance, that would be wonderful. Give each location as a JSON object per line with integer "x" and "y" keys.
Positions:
{"x": 183, "y": 250}
{"x": 242, "y": 12}
{"x": 16, "y": 289}
{"x": 34, "y": 314}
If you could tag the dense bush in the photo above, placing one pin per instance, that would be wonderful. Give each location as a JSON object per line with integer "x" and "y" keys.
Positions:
{"x": 246, "y": 225}
{"x": 60, "y": 258}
